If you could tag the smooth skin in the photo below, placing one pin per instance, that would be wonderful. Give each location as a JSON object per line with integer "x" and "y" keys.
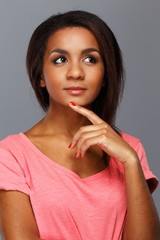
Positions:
{"x": 72, "y": 58}
{"x": 142, "y": 220}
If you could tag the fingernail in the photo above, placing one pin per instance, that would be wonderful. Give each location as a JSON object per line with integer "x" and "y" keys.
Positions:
{"x": 73, "y": 104}
{"x": 70, "y": 145}
{"x": 76, "y": 154}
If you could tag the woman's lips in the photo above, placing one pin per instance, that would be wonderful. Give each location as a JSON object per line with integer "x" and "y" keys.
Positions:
{"x": 76, "y": 91}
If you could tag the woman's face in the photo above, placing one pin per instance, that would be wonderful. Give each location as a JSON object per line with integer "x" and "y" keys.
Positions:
{"x": 73, "y": 69}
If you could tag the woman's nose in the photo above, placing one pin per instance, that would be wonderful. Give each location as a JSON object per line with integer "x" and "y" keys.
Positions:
{"x": 75, "y": 71}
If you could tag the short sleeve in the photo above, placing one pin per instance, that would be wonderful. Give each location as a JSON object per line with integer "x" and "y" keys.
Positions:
{"x": 11, "y": 174}
{"x": 152, "y": 180}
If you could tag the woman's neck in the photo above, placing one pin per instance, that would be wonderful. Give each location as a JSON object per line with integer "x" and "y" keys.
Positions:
{"x": 63, "y": 120}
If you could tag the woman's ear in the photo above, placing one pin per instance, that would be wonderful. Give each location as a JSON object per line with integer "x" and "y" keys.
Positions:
{"x": 42, "y": 83}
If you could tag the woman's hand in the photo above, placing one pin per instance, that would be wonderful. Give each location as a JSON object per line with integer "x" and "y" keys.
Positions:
{"x": 101, "y": 134}
{"x": 140, "y": 206}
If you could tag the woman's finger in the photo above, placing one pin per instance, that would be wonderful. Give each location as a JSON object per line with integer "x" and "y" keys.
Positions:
{"x": 89, "y": 142}
{"x": 83, "y": 131}
{"x": 92, "y": 117}
{"x": 82, "y": 142}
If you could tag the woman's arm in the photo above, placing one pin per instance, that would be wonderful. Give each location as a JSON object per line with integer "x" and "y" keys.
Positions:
{"x": 142, "y": 219}
{"x": 17, "y": 220}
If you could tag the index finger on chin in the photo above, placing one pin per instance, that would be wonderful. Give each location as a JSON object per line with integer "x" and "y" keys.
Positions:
{"x": 86, "y": 113}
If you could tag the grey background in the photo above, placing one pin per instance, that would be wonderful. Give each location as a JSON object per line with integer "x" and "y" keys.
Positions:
{"x": 136, "y": 26}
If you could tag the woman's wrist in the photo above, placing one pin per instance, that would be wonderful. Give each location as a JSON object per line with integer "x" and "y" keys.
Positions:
{"x": 131, "y": 161}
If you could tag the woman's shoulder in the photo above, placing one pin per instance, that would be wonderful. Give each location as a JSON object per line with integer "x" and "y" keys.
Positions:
{"x": 9, "y": 139}
{"x": 17, "y": 139}
{"x": 130, "y": 139}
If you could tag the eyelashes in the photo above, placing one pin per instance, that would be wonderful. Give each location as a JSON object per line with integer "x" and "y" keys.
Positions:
{"x": 90, "y": 59}
{"x": 87, "y": 59}
{"x": 59, "y": 60}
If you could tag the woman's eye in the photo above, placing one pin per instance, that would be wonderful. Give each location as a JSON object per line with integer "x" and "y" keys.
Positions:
{"x": 60, "y": 60}
{"x": 90, "y": 59}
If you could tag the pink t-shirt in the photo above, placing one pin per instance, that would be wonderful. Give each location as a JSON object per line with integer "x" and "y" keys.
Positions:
{"x": 67, "y": 207}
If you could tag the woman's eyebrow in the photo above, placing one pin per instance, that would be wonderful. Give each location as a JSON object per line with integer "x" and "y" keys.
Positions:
{"x": 59, "y": 50}
{"x": 89, "y": 50}
{"x": 85, "y": 51}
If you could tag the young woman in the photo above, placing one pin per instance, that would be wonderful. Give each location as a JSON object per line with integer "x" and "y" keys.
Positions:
{"x": 74, "y": 175}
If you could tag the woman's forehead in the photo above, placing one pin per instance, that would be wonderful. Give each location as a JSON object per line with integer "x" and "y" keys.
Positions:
{"x": 72, "y": 37}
